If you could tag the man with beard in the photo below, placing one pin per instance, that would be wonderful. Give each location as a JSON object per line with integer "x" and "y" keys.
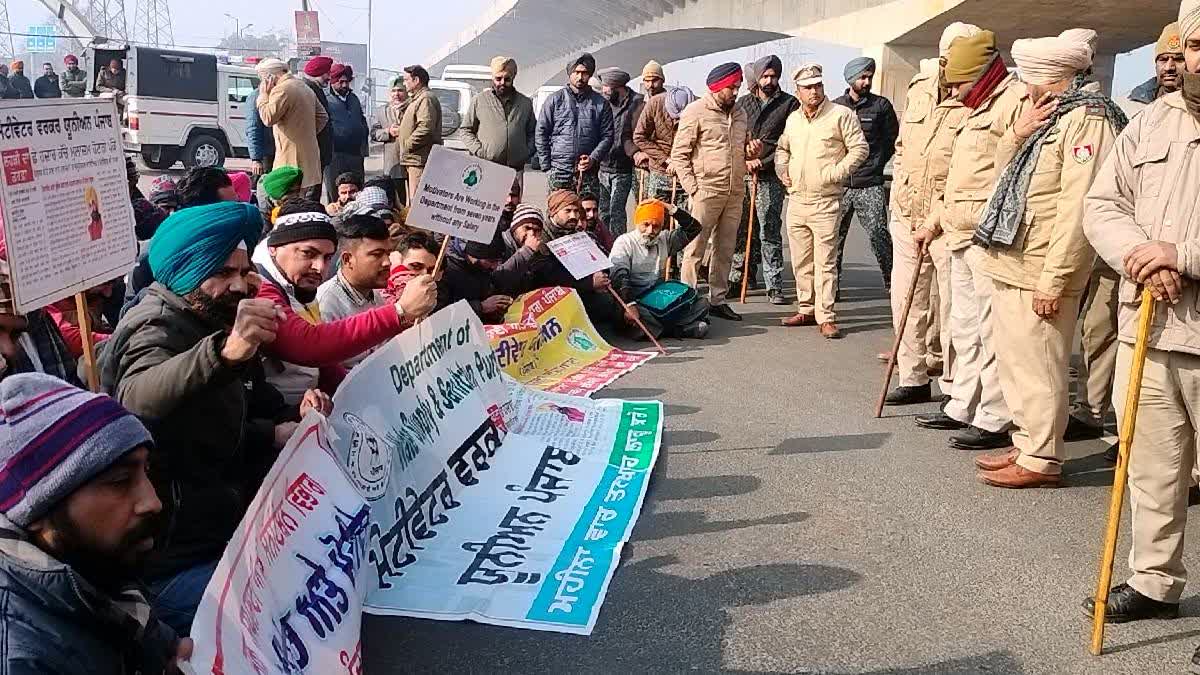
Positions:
{"x": 298, "y": 119}
{"x": 386, "y": 130}
{"x": 864, "y": 195}
{"x": 186, "y": 360}
{"x": 499, "y": 125}
{"x": 345, "y": 189}
{"x": 74, "y": 80}
{"x": 19, "y": 82}
{"x": 592, "y": 222}
{"x": 616, "y": 170}
{"x": 75, "y": 530}
{"x": 767, "y": 109}
{"x": 348, "y": 127}
{"x": 308, "y": 352}
{"x": 46, "y": 86}
{"x": 575, "y": 131}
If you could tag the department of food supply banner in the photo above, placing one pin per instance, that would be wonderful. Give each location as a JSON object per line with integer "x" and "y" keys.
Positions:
{"x": 490, "y": 501}
{"x": 287, "y": 595}
{"x": 548, "y": 342}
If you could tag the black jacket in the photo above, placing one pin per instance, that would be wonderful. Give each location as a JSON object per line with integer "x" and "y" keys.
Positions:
{"x": 623, "y": 120}
{"x": 46, "y": 86}
{"x": 324, "y": 136}
{"x": 765, "y": 122}
{"x": 880, "y": 126}
{"x": 21, "y": 85}
{"x": 463, "y": 281}
{"x": 349, "y": 125}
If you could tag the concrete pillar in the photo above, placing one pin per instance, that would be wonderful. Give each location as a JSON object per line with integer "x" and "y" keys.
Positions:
{"x": 896, "y": 65}
{"x": 1103, "y": 67}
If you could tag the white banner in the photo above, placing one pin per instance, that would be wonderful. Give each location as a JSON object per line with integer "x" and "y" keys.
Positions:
{"x": 460, "y": 195}
{"x": 68, "y": 221}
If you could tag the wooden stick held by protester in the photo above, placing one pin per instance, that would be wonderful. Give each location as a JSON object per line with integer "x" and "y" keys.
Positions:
{"x": 638, "y": 321}
{"x": 437, "y": 265}
{"x": 891, "y": 366}
{"x": 89, "y": 345}
{"x": 670, "y": 226}
{"x": 749, "y": 236}
{"x": 1128, "y": 423}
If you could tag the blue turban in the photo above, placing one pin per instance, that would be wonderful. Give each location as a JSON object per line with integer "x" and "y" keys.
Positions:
{"x": 858, "y": 66}
{"x": 193, "y": 243}
{"x": 677, "y": 99}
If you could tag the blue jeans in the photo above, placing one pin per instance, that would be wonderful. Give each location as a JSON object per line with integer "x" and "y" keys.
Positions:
{"x": 614, "y": 196}
{"x": 176, "y": 598}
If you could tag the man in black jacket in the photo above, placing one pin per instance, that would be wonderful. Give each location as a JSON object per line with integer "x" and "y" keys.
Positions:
{"x": 349, "y": 129}
{"x": 616, "y": 172}
{"x": 767, "y": 109}
{"x": 865, "y": 196}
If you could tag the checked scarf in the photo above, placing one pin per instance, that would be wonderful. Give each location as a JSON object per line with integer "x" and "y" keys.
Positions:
{"x": 1006, "y": 209}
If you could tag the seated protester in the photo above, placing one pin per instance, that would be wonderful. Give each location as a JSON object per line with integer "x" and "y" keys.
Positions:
{"x": 307, "y": 352}
{"x": 527, "y": 220}
{"x": 147, "y": 216}
{"x": 348, "y": 185}
{"x": 75, "y": 530}
{"x": 591, "y": 221}
{"x": 205, "y": 185}
{"x": 274, "y": 187}
{"x": 164, "y": 194}
{"x": 469, "y": 278}
{"x": 415, "y": 255}
{"x": 362, "y": 273}
{"x": 457, "y": 246}
{"x": 65, "y": 315}
{"x": 243, "y": 187}
{"x": 31, "y": 343}
{"x": 185, "y": 359}
{"x": 638, "y": 259}
{"x": 395, "y": 198}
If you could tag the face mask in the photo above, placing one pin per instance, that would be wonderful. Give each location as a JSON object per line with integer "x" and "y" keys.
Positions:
{"x": 1191, "y": 92}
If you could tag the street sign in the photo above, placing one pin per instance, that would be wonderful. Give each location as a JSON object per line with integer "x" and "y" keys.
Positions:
{"x": 308, "y": 30}
{"x": 41, "y": 40}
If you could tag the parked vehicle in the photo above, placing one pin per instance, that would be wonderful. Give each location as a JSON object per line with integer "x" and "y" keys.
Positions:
{"x": 455, "y": 97}
{"x": 478, "y": 78}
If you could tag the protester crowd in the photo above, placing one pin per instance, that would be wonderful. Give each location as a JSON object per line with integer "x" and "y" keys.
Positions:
{"x": 1022, "y": 204}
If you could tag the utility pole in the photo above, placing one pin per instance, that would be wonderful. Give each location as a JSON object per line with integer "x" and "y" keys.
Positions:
{"x": 370, "y": 77}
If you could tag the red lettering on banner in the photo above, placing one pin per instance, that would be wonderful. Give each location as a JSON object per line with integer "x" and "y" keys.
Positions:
{"x": 18, "y": 166}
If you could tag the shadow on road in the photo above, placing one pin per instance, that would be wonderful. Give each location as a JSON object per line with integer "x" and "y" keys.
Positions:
{"x": 707, "y": 487}
{"x": 809, "y": 444}
{"x": 688, "y": 437}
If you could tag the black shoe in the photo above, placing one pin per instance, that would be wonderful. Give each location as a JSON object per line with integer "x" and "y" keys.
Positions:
{"x": 1110, "y": 455}
{"x": 1193, "y": 495}
{"x": 725, "y": 312}
{"x": 1126, "y": 604}
{"x": 939, "y": 421}
{"x": 776, "y": 297}
{"x": 1078, "y": 430}
{"x": 975, "y": 438}
{"x": 908, "y": 395}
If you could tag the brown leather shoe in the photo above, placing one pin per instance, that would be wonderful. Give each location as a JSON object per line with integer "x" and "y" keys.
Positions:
{"x": 1016, "y": 477}
{"x": 799, "y": 320}
{"x": 994, "y": 461}
{"x": 829, "y": 331}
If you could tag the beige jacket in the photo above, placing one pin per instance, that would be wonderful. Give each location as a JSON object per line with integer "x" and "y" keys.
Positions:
{"x": 709, "y": 151}
{"x": 1051, "y": 254}
{"x": 922, "y": 157}
{"x": 420, "y": 128}
{"x": 972, "y": 174}
{"x": 1148, "y": 189}
{"x": 818, "y": 155}
{"x": 295, "y": 116}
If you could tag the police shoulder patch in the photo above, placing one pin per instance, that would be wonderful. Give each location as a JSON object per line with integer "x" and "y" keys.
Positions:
{"x": 1095, "y": 110}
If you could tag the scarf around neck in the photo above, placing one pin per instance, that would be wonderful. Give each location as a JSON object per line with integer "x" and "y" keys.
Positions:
{"x": 1191, "y": 93}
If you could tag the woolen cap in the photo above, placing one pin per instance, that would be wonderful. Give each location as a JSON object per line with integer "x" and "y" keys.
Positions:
{"x": 304, "y": 226}
{"x": 1168, "y": 42}
{"x": 653, "y": 69}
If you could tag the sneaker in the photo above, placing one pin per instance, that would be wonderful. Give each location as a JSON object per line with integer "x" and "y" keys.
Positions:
{"x": 1126, "y": 604}
{"x": 695, "y": 330}
{"x": 776, "y": 297}
{"x": 908, "y": 395}
{"x": 725, "y": 312}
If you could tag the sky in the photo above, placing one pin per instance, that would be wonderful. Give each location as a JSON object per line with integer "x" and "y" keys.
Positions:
{"x": 408, "y": 31}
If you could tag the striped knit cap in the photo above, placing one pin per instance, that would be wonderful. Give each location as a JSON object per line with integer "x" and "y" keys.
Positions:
{"x": 528, "y": 213}
{"x": 54, "y": 438}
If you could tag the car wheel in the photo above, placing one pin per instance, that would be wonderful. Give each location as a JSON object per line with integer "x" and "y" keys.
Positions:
{"x": 161, "y": 159}
{"x": 204, "y": 150}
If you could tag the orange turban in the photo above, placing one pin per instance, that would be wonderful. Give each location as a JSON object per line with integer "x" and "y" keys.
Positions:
{"x": 650, "y": 210}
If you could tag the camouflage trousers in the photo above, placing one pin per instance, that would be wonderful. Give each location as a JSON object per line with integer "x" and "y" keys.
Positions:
{"x": 767, "y": 246}
{"x": 870, "y": 205}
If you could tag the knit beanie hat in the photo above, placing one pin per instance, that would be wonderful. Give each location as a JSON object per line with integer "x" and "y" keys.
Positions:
{"x": 724, "y": 75}
{"x": 653, "y": 69}
{"x": 304, "y": 226}
{"x": 278, "y": 182}
{"x": 54, "y": 438}
{"x": 528, "y": 213}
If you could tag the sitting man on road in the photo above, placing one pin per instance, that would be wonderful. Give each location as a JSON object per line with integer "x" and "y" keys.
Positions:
{"x": 74, "y": 531}
{"x": 347, "y": 184}
{"x": 356, "y": 287}
{"x": 469, "y": 277}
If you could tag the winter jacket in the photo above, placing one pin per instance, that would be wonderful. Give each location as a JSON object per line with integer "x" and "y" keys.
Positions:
{"x": 213, "y": 423}
{"x": 1142, "y": 95}
{"x": 107, "y": 81}
{"x": 21, "y": 85}
{"x": 528, "y": 270}
{"x": 618, "y": 160}
{"x": 766, "y": 120}
{"x": 73, "y": 84}
{"x": 46, "y": 86}
{"x": 260, "y": 140}
{"x": 391, "y": 116}
{"x": 55, "y": 621}
{"x": 817, "y": 155}
{"x": 463, "y": 281}
{"x": 325, "y": 133}
{"x": 709, "y": 153}
{"x": 500, "y": 131}
{"x": 6, "y": 88}
{"x": 879, "y": 124}
{"x": 629, "y": 278}
{"x": 349, "y": 125}
{"x": 654, "y": 132}
{"x": 420, "y": 127}
{"x": 295, "y": 115}
{"x": 573, "y": 124}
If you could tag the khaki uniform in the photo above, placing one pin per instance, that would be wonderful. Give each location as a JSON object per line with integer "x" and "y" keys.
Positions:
{"x": 709, "y": 157}
{"x": 1148, "y": 190}
{"x": 1050, "y": 255}
{"x": 817, "y": 155}
{"x": 921, "y": 162}
{"x": 975, "y": 397}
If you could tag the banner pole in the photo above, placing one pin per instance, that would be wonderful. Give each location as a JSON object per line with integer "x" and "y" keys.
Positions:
{"x": 89, "y": 346}
{"x": 437, "y": 265}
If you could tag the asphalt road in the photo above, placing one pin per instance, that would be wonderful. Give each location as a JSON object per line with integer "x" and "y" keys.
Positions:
{"x": 789, "y": 531}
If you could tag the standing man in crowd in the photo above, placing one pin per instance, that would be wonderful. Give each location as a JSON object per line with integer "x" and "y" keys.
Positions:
{"x": 21, "y": 85}
{"x": 767, "y": 108}
{"x": 653, "y": 84}
{"x": 420, "y": 127}
{"x": 1038, "y": 257}
{"x": 296, "y": 116}
{"x": 260, "y": 140}
{"x": 977, "y": 79}
{"x": 709, "y": 157}
{"x": 500, "y": 124}
{"x": 386, "y": 130}
{"x": 1140, "y": 215}
{"x": 1169, "y": 67}
{"x": 349, "y": 128}
{"x": 73, "y": 80}
{"x": 316, "y": 76}
{"x": 575, "y": 132}
{"x": 654, "y": 134}
{"x": 865, "y": 196}
{"x": 46, "y": 86}
{"x": 616, "y": 170}
{"x": 828, "y": 144}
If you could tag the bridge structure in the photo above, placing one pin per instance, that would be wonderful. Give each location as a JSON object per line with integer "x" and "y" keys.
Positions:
{"x": 542, "y": 35}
